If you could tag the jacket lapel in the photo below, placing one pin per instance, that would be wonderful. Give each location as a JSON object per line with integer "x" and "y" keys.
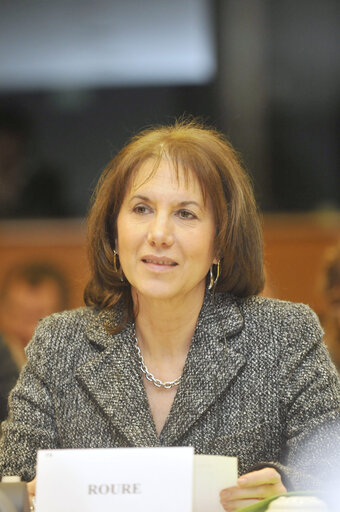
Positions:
{"x": 210, "y": 367}
{"x": 113, "y": 380}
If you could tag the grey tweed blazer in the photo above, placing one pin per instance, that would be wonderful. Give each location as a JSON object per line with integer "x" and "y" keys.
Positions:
{"x": 257, "y": 384}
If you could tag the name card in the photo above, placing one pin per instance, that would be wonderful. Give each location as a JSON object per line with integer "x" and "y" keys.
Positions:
{"x": 130, "y": 479}
{"x": 120, "y": 479}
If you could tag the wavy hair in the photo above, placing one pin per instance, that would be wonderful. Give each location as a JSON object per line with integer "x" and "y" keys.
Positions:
{"x": 192, "y": 148}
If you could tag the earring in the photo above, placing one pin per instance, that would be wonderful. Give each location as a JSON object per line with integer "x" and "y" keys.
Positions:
{"x": 115, "y": 266}
{"x": 115, "y": 255}
{"x": 213, "y": 280}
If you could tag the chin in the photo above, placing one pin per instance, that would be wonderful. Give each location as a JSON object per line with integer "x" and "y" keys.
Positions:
{"x": 160, "y": 291}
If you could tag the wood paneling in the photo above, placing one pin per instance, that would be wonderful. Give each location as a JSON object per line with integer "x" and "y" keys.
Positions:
{"x": 294, "y": 250}
{"x": 295, "y": 247}
{"x": 61, "y": 243}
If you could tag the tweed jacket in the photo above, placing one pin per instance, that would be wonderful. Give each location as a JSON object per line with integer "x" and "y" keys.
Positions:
{"x": 257, "y": 384}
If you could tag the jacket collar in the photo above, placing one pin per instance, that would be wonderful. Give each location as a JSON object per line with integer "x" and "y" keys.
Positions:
{"x": 114, "y": 381}
{"x": 220, "y": 309}
{"x": 210, "y": 367}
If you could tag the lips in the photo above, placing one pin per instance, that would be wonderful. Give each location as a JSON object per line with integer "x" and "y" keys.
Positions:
{"x": 156, "y": 260}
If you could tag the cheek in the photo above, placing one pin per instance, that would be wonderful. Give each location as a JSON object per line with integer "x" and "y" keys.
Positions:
{"x": 120, "y": 234}
{"x": 202, "y": 247}
{"x": 128, "y": 238}
{"x": 209, "y": 242}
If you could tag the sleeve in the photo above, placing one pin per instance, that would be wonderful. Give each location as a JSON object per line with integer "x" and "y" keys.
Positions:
{"x": 309, "y": 405}
{"x": 31, "y": 421}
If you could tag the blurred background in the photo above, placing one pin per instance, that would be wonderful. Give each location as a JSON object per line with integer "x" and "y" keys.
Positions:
{"x": 78, "y": 78}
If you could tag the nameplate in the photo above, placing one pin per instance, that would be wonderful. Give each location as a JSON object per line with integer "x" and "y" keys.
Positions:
{"x": 120, "y": 479}
{"x": 130, "y": 479}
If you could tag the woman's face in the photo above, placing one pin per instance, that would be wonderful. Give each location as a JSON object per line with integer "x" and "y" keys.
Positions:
{"x": 165, "y": 234}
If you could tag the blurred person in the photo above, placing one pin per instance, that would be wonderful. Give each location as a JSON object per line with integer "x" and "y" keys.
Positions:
{"x": 9, "y": 373}
{"x": 331, "y": 289}
{"x": 175, "y": 347}
{"x": 27, "y": 188}
{"x": 28, "y": 292}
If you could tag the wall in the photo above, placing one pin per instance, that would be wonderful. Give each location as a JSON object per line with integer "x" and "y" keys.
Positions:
{"x": 294, "y": 250}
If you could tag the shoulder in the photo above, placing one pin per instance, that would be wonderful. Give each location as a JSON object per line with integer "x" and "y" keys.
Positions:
{"x": 290, "y": 330}
{"x": 282, "y": 322}
{"x": 70, "y": 321}
{"x": 293, "y": 323}
{"x": 61, "y": 336}
{"x": 268, "y": 310}
{"x": 289, "y": 314}
{"x": 282, "y": 338}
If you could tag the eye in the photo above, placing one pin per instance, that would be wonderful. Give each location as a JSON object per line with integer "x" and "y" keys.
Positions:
{"x": 186, "y": 214}
{"x": 141, "y": 209}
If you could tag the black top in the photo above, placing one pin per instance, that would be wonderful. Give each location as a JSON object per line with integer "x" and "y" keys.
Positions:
{"x": 8, "y": 376}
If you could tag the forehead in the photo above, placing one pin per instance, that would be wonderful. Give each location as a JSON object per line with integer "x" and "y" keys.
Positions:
{"x": 164, "y": 175}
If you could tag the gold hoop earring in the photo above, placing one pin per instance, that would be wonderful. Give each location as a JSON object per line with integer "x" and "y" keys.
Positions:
{"x": 213, "y": 280}
{"x": 115, "y": 265}
{"x": 115, "y": 256}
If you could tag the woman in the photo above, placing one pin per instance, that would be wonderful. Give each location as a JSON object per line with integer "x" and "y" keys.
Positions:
{"x": 174, "y": 347}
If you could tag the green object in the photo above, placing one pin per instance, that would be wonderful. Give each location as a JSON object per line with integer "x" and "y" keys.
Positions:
{"x": 262, "y": 505}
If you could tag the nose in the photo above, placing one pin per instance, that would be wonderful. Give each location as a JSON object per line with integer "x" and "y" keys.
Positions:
{"x": 160, "y": 233}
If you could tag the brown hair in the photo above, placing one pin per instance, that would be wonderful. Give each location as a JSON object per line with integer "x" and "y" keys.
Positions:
{"x": 206, "y": 153}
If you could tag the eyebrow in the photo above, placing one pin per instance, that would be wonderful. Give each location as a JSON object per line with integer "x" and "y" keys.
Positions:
{"x": 181, "y": 203}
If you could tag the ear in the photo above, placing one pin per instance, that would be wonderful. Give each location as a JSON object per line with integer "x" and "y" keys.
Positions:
{"x": 215, "y": 260}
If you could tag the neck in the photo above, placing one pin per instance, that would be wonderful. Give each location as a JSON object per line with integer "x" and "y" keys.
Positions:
{"x": 166, "y": 327}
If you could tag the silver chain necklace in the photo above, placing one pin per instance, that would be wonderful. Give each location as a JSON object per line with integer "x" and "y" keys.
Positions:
{"x": 149, "y": 376}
